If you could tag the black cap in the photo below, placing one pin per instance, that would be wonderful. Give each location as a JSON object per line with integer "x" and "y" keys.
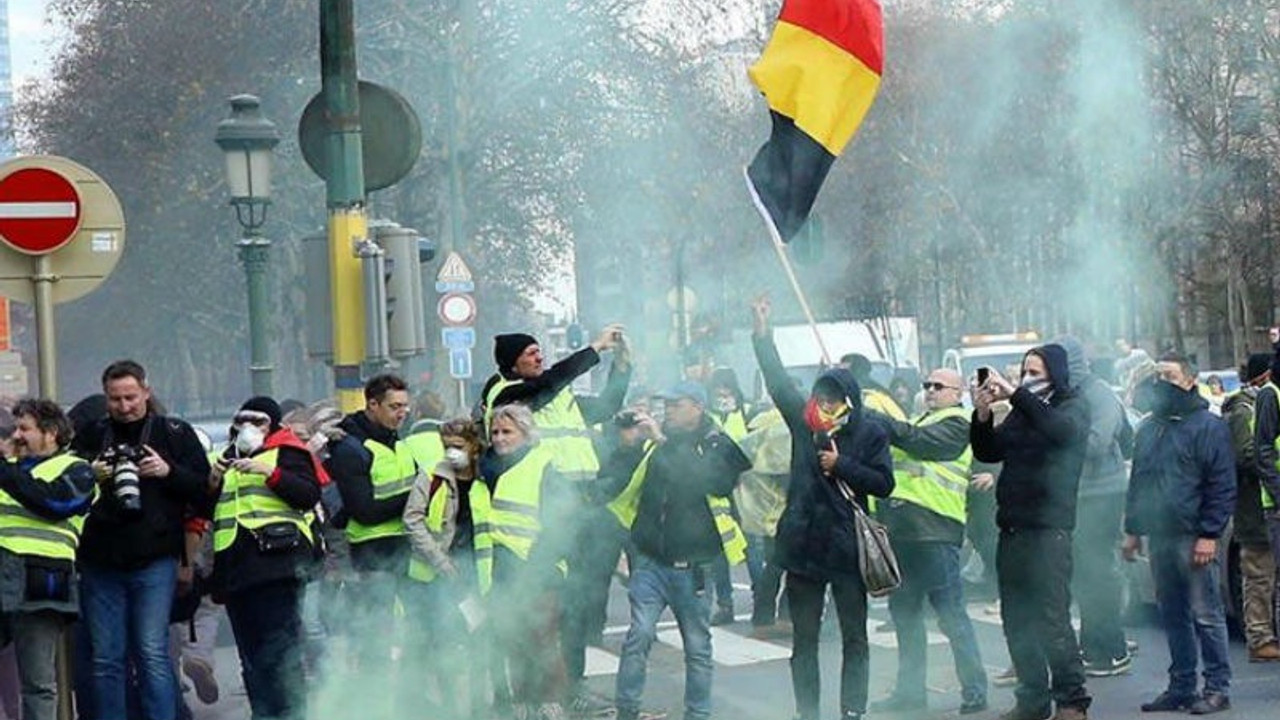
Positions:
{"x": 1257, "y": 364}
{"x": 265, "y": 405}
{"x": 508, "y": 347}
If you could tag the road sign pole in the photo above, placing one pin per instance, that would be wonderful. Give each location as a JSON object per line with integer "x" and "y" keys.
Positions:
{"x": 462, "y": 396}
{"x": 46, "y": 343}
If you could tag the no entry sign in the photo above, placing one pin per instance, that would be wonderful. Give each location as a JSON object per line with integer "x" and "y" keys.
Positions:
{"x": 40, "y": 210}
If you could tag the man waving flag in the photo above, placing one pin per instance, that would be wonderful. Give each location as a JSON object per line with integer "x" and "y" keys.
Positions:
{"x": 820, "y": 73}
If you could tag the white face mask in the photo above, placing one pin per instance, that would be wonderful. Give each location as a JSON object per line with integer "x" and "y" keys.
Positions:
{"x": 457, "y": 458}
{"x": 726, "y": 404}
{"x": 249, "y": 438}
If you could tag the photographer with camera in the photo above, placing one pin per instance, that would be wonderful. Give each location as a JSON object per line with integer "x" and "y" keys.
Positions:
{"x": 150, "y": 470}
{"x": 44, "y": 497}
{"x": 266, "y": 483}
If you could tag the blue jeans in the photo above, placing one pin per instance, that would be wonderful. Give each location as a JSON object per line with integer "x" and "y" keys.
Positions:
{"x": 127, "y": 614}
{"x": 932, "y": 571}
{"x": 652, "y": 588}
{"x": 1191, "y": 611}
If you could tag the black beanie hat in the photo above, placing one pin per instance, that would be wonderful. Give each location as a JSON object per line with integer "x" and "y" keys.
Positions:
{"x": 507, "y": 348}
{"x": 1258, "y": 363}
{"x": 266, "y": 406}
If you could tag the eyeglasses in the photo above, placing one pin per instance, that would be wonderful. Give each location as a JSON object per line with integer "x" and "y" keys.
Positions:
{"x": 938, "y": 387}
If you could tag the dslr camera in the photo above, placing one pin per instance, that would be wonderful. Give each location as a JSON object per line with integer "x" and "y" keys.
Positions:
{"x": 123, "y": 460}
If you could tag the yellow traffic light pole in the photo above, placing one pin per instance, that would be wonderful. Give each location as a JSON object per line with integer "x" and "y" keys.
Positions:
{"x": 345, "y": 195}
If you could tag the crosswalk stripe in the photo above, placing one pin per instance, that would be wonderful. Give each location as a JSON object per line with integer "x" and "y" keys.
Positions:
{"x": 978, "y": 613}
{"x": 600, "y": 662}
{"x": 731, "y": 649}
{"x": 890, "y": 639}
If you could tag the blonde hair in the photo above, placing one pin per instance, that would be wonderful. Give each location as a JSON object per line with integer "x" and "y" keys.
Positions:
{"x": 520, "y": 416}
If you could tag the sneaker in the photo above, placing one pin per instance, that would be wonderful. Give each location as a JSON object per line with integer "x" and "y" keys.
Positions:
{"x": 1265, "y": 653}
{"x": 1109, "y": 667}
{"x": 1019, "y": 712}
{"x": 585, "y": 704}
{"x": 1131, "y": 646}
{"x": 1007, "y": 678}
{"x": 1071, "y": 713}
{"x": 974, "y": 705}
{"x": 723, "y": 615}
{"x": 899, "y": 703}
{"x": 201, "y": 674}
{"x": 992, "y": 609}
{"x": 551, "y": 711}
{"x": 1209, "y": 703}
{"x": 1168, "y": 702}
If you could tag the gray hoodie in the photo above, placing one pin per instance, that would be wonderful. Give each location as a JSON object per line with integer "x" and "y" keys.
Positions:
{"x": 1104, "y": 471}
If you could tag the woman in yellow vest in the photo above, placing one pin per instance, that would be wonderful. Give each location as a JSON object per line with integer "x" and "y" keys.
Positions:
{"x": 266, "y": 484}
{"x": 44, "y": 497}
{"x": 531, "y": 506}
{"x": 447, "y": 517}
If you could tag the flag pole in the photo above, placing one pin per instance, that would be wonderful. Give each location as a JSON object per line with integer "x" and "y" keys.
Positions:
{"x": 786, "y": 267}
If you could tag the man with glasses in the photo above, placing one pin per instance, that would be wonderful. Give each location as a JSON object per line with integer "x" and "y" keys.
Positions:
{"x": 374, "y": 470}
{"x": 926, "y": 516}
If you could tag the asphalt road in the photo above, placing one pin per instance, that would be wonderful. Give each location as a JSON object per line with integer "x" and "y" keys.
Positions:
{"x": 752, "y": 680}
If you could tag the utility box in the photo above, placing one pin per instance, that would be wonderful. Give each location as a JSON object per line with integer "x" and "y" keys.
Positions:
{"x": 315, "y": 262}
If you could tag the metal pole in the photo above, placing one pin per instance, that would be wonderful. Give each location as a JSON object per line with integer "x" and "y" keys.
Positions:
{"x": 47, "y": 355}
{"x": 255, "y": 252}
{"x": 345, "y": 197}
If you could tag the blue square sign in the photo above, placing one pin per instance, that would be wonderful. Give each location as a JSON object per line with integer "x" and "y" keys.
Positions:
{"x": 458, "y": 338}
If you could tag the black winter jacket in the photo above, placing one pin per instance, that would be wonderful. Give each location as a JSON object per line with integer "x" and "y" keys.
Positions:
{"x": 1184, "y": 474}
{"x": 119, "y": 541}
{"x": 1043, "y": 449}
{"x": 815, "y": 534}
{"x": 673, "y": 521}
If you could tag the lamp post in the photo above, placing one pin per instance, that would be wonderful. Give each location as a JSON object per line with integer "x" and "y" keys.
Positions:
{"x": 247, "y": 140}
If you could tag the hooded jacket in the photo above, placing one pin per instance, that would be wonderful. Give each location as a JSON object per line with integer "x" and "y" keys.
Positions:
{"x": 816, "y": 535}
{"x": 1250, "y": 528}
{"x": 348, "y": 465}
{"x": 1104, "y": 471}
{"x": 1042, "y": 446}
{"x": 1184, "y": 474}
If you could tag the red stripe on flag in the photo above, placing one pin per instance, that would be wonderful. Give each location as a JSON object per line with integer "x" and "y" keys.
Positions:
{"x": 856, "y": 26}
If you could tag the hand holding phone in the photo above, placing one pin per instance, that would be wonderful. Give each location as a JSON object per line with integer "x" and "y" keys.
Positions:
{"x": 983, "y": 374}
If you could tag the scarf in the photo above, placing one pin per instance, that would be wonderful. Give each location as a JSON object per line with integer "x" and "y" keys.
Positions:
{"x": 820, "y": 421}
{"x": 1041, "y": 388}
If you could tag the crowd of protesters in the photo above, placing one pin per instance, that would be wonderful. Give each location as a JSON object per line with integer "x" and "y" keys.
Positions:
{"x": 466, "y": 562}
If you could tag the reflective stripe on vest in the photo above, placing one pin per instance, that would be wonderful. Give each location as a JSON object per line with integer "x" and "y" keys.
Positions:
{"x": 25, "y": 533}
{"x": 246, "y": 502}
{"x": 1269, "y": 502}
{"x": 563, "y": 432}
{"x": 938, "y": 486}
{"x": 482, "y": 538}
{"x": 392, "y": 474}
{"x": 627, "y": 505}
{"x": 514, "y": 520}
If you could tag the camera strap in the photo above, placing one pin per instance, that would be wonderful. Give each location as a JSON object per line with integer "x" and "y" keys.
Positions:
{"x": 109, "y": 437}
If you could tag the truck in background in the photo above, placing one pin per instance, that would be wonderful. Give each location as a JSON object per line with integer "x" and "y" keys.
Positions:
{"x": 997, "y": 351}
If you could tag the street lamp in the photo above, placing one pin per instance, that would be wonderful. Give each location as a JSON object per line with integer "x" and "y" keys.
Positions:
{"x": 247, "y": 140}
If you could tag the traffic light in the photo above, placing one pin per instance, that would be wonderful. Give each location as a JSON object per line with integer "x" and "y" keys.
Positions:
{"x": 406, "y": 311}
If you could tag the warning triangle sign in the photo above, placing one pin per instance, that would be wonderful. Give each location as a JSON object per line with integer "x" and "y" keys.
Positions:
{"x": 454, "y": 270}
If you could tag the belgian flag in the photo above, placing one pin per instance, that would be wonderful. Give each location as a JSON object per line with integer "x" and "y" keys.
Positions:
{"x": 819, "y": 73}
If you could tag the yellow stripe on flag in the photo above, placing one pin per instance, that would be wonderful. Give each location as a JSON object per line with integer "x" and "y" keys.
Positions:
{"x": 819, "y": 85}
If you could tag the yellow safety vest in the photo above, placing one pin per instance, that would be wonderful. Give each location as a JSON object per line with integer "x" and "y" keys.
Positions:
{"x": 482, "y": 543}
{"x": 1267, "y": 501}
{"x": 514, "y": 518}
{"x": 246, "y": 502}
{"x": 392, "y": 474}
{"x": 627, "y": 505}
{"x": 23, "y": 532}
{"x": 734, "y": 424}
{"x": 883, "y": 403}
{"x": 938, "y": 486}
{"x": 563, "y": 432}
{"x": 427, "y": 449}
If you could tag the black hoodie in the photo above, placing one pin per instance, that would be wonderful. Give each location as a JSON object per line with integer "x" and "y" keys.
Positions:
{"x": 815, "y": 537}
{"x": 348, "y": 464}
{"x": 1042, "y": 446}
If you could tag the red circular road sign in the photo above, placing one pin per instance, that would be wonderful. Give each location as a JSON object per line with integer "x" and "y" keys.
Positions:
{"x": 39, "y": 210}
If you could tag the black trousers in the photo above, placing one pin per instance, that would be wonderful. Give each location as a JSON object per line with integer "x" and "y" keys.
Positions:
{"x": 268, "y": 631}
{"x": 805, "y": 597}
{"x": 585, "y": 601}
{"x": 1035, "y": 606}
